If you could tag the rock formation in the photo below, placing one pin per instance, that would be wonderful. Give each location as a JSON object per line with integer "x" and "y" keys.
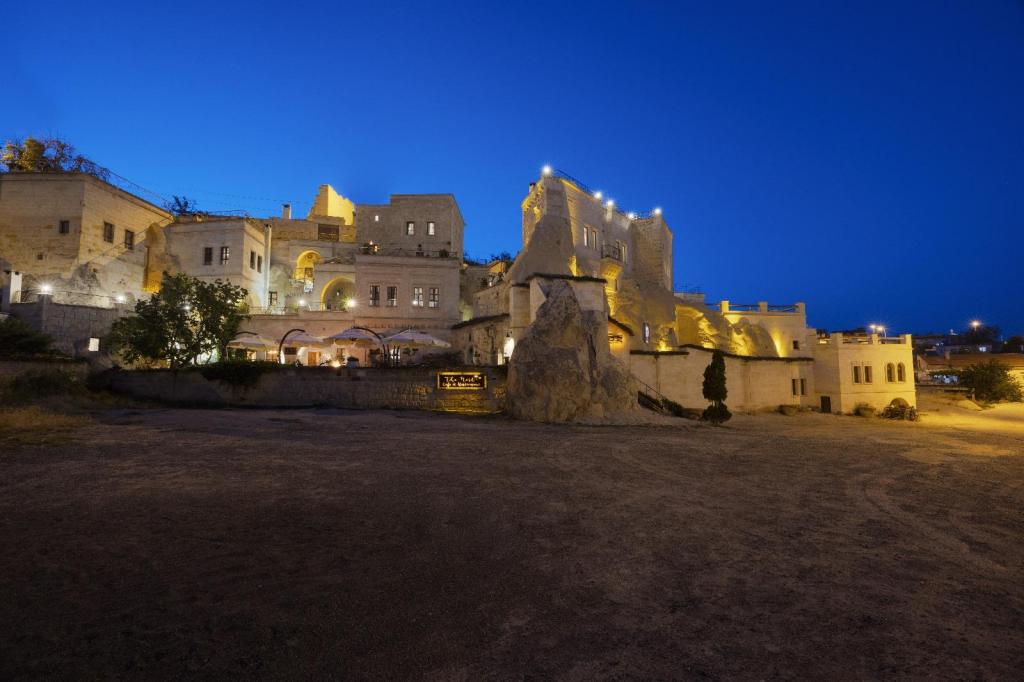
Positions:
{"x": 562, "y": 370}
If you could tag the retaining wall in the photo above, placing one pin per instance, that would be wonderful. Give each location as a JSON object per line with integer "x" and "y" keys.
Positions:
{"x": 366, "y": 388}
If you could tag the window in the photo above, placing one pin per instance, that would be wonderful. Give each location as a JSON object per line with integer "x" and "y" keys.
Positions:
{"x": 65, "y": 227}
{"x": 410, "y": 228}
{"x": 435, "y": 297}
{"x": 803, "y": 387}
{"x": 430, "y": 228}
{"x": 374, "y": 295}
{"x": 208, "y": 255}
{"x": 328, "y": 233}
{"x": 590, "y": 237}
{"x": 799, "y": 386}
{"x": 252, "y": 259}
{"x": 259, "y": 263}
{"x": 622, "y": 250}
{"x": 392, "y": 297}
{"x": 129, "y": 240}
{"x": 225, "y": 254}
{"x": 645, "y": 332}
{"x": 272, "y": 299}
{"x": 796, "y": 386}
{"x": 796, "y": 345}
{"x": 890, "y": 373}
{"x": 94, "y": 344}
{"x": 108, "y": 233}
{"x": 856, "y": 374}
{"x": 901, "y": 372}
{"x": 867, "y": 374}
{"x": 417, "y": 297}
{"x": 376, "y": 218}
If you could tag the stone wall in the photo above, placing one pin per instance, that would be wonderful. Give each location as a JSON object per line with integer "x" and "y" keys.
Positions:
{"x": 398, "y": 388}
{"x": 71, "y": 326}
{"x": 753, "y": 383}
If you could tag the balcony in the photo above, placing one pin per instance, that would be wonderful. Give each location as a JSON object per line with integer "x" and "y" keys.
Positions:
{"x": 612, "y": 251}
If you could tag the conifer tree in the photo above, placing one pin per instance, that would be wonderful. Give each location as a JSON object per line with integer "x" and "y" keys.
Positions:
{"x": 715, "y": 390}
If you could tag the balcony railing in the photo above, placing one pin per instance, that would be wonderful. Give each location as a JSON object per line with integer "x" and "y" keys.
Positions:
{"x": 613, "y": 251}
{"x": 378, "y": 250}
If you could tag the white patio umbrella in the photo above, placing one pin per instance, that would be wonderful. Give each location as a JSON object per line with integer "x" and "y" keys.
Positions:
{"x": 413, "y": 338}
{"x": 304, "y": 339}
{"x": 252, "y": 342}
{"x": 355, "y": 337}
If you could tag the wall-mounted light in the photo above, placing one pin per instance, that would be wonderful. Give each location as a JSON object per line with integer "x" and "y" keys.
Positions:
{"x": 302, "y": 301}
{"x": 631, "y": 215}
{"x": 657, "y": 211}
{"x": 350, "y": 303}
{"x": 610, "y": 203}
{"x": 546, "y": 171}
{"x": 120, "y": 298}
{"x": 46, "y": 289}
{"x": 597, "y": 194}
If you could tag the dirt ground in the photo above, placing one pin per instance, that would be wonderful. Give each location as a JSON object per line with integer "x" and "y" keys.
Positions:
{"x": 327, "y": 544}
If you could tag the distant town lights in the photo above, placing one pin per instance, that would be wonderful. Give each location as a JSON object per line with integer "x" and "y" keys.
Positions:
{"x": 546, "y": 170}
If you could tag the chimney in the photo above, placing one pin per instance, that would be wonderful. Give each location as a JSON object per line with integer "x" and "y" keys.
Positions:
{"x": 286, "y": 211}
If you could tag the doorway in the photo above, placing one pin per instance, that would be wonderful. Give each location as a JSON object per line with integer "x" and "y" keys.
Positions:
{"x": 826, "y": 404}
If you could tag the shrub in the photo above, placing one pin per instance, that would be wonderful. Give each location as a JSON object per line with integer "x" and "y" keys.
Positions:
{"x": 991, "y": 381}
{"x": 716, "y": 413}
{"x": 238, "y": 372}
{"x": 900, "y": 410}
{"x": 42, "y": 383}
{"x": 17, "y": 339}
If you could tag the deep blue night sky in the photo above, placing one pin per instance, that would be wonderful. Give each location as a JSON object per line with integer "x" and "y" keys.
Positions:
{"x": 867, "y": 158}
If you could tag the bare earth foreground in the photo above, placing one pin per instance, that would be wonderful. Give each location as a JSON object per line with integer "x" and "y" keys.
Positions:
{"x": 350, "y": 545}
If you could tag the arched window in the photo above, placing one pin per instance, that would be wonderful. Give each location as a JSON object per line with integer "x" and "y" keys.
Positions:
{"x": 901, "y": 373}
{"x": 890, "y": 373}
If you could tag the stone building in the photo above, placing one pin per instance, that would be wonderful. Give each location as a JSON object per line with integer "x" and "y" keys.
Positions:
{"x": 621, "y": 263}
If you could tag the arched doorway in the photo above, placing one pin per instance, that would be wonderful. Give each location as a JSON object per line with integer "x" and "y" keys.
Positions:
{"x": 339, "y": 294}
{"x": 305, "y": 264}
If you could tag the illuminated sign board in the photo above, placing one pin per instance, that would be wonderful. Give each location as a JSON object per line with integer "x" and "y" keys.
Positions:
{"x": 462, "y": 381}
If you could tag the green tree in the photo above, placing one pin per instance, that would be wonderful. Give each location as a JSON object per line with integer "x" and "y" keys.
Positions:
{"x": 186, "y": 319}
{"x": 715, "y": 390}
{"x": 47, "y": 155}
{"x": 1014, "y": 344}
{"x": 17, "y": 339}
{"x": 182, "y": 206}
{"x": 991, "y": 381}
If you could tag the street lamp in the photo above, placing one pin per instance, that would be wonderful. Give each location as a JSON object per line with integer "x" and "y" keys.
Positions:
{"x": 975, "y": 324}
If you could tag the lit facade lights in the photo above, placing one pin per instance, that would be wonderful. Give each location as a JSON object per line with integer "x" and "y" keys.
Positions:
{"x": 546, "y": 170}
{"x": 120, "y": 298}
{"x": 610, "y": 203}
{"x": 46, "y": 289}
{"x": 302, "y": 301}
{"x": 657, "y": 211}
{"x": 597, "y": 194}
{"x": 350, "y": 303}
{"x": 631, "y": 215}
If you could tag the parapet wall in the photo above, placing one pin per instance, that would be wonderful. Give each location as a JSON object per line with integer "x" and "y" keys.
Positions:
{"x": 366, "y": 388}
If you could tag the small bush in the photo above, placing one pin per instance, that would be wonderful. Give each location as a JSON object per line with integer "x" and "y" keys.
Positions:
{"x": 716, "y": 413}
{"x": 991, "y": 381}
{"x": 42, "y": 383}
{"x": 238, "y": 372}
{"x": 900, "y": 410}
{"x": 18, "y": 340}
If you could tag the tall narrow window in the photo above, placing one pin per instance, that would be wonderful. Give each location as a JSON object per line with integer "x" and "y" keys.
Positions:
{"x": 796, "y": 345}
{"x": 392, "y": 297}
{"x": 259, "y": 263}
{"x": 129, "y": 240}
{"x": 430, "y": 228}
{"x": 856, "y": 374}
{"x": 890, "y": 373}
{"x": 803, "y": 387}
{"x": 272, "y": 299}
{"x": 622, "y": 250}
{"x": 796, "y": 386}
{"x": 435, "y": 297}
{"x": 867, "y": 374}
{"x": 208, "y": 255}
{"x": 901, "y": 373}
{"x": 65, "y": 226}
{"x": 417, "y": 297}
{"x": 252, "y": 259}
{"x": 108, "y": 233}
{"x": 410, "y": 228}
{"x": 225, "y": 254}
{"x": 374, "y": 295}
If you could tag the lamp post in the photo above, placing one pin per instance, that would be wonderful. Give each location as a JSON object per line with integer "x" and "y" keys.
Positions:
{"x": 280, "y": 346}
